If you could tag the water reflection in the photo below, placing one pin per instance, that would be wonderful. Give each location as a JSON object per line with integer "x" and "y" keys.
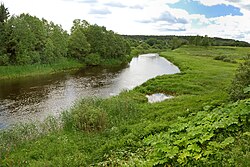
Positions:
{"x": 37, "y": 97}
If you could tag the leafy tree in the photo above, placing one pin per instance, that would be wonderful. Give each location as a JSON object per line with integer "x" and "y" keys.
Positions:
{"x": 205, "y": 41}
{"x": 26, "y": 36}
{"x": 29, "y": 40}
{"x": 175, "y": 43}
{"x": 77, "y": 23}
{"x": 144, "y": 46}
{"x": 151, "y": 41}
{"x": 97, "y": 38}
{"x": 78, "y": 45}
{"x": 197, "y": 40}
{"x": 4, "y": 13}
{"x": 59, "y": 37}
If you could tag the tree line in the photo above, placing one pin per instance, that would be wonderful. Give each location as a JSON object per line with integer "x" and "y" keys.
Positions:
{"x": 173, "y": 42}
{"x": 26, "y": 39}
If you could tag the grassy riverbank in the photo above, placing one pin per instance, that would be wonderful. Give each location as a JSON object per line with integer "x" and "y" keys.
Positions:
{"x": 197, "y": 127}
{"x": 10, "y": 72}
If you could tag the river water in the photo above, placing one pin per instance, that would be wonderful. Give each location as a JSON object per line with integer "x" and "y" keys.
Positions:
{"x": 35, "y": 98}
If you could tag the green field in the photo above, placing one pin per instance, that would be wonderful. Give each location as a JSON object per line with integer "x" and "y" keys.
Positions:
{"x": 198, "y": 127}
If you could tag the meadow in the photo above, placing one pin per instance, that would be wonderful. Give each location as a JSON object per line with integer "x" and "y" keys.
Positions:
{"x": 200, "y": 126}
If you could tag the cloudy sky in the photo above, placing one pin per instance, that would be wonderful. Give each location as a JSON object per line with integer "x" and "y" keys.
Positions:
{"x": 221, "y": 18}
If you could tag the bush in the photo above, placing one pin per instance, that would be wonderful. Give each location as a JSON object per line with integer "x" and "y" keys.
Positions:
{"x": 241, "y": 81}
{"x": 4, "y": 60}
{"x": 85, "y": 117}
{"x": 225, "y": 59}
{"x": 93, "y": 59}
{"x": 219, "y": 57}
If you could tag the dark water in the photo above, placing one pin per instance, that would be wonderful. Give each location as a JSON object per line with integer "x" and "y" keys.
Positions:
{"x": 37, "y": 97}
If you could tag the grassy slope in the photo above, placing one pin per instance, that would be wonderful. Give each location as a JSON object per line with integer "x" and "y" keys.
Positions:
{"x": 9, "y": 72}
{"x": 203, "y": 81}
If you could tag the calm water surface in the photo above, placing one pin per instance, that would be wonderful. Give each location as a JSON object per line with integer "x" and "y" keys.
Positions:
{"x": 35, "y": 98}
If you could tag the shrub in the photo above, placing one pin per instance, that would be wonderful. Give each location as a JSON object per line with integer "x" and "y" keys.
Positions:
{"x": 85, "y": 117}
{"x": 225, "y": 59}
{"x": 93, "y": 59}
{"x": 219, "y": 57}
{"x": 4, "y": 60}
{"x": 241, "y": 82}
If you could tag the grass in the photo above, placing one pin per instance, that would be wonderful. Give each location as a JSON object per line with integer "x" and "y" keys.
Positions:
{"x": 127, "y": 120}
{"x": 10, "y": 72}
{"x": 115, "y": 62}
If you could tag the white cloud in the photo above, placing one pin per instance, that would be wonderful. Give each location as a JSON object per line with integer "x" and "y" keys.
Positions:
{"x": 139, "y": 17}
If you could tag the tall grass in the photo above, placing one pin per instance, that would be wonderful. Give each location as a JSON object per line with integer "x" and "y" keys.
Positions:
{"x": 9, "y": 72}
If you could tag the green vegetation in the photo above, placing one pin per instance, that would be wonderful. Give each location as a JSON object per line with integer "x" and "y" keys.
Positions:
{"x": 241, "y": 82}
{"x": 199, "y": 127}
{"x": 10, "y": 72}
{"x": 27, "y": 40}
{"x": 30, "y": 43}
{"x": 166, "y": 41}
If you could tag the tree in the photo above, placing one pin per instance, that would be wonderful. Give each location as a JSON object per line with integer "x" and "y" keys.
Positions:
{"x": 78, "y": 46}
{"x": 59, "y": 38}
{"x": 205, "y": 41}
{"x": 30, "y": 40}
{"x": 197, "y": 40}
{"x": 97, "y": 38}
{"x": 77, "y": 23}
{"x": 26, "y": 38}
{"x": 4, "y": 13}
{"x": 175, "y": 43}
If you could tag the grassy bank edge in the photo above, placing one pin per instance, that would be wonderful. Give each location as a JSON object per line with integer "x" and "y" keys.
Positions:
{"x": 13, "y": 72}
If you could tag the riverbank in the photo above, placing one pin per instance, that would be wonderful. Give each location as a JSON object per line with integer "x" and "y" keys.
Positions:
{"x": 11, "y": 72}
{"x": 126, "y": 130}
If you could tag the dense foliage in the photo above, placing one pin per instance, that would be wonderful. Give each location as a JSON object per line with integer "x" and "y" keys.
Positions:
{"x": 241, "y": 82}
{"x": 29, "y": 40}
{"x": 26, "y": 40}
{"x": 198, "y": 139}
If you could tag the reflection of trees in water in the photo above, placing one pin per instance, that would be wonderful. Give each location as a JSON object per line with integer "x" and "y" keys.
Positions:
{"x": 22, "y": 96}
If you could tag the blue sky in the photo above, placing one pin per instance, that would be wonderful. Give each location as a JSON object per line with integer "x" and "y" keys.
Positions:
{"x": 218, "y": 18}
{"x": 195, "y": 7}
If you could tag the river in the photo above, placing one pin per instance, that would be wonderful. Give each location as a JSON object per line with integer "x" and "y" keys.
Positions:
{"x": 35, "y": 98}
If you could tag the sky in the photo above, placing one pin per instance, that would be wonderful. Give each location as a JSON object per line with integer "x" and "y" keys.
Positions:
{"x": 215, "y": 18}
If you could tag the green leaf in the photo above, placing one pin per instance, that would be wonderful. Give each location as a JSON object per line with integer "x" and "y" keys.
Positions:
{"x": 183, "y": 156}
{"x": 172, "y": 152}
{"x": 194, "y": 148}
{"x": 247, "y": 89}
{"x": 197, "y": 156}
{"x": 206, "y": 137}
{"x": 246, "y": 134}
{"x": 227, "y": 141}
